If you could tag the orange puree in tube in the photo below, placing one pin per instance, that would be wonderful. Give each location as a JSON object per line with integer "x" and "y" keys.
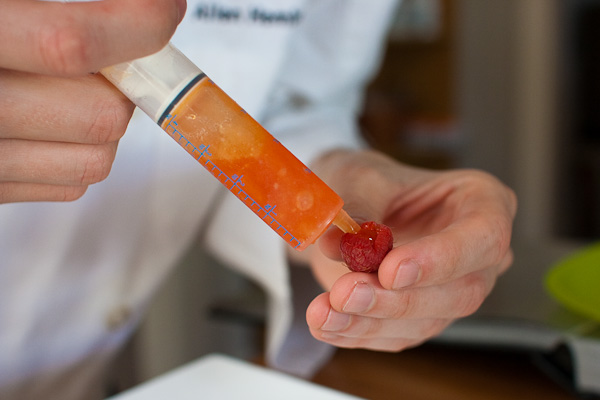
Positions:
{"x": 254, "y": 166}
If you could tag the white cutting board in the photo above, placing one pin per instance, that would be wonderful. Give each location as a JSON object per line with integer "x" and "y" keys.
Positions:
{"x": 217, "y": 376}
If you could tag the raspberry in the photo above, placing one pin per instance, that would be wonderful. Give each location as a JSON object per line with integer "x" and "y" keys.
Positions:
{"x": 363, "y": 251}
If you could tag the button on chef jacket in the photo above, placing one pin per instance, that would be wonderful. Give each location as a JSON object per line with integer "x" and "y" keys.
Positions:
{"x": 75, "y": 277}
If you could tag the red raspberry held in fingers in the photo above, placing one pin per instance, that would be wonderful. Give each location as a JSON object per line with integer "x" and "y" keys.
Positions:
{"x": 363, "y": 251}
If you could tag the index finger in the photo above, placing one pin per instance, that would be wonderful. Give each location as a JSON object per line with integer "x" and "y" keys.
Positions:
{"x": 68, "y": 39}
{"x": 478, "y": 238}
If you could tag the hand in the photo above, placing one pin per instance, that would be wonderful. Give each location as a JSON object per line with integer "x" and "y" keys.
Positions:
{"x": 451, "y": 241}
{"x": 60, "y": 125}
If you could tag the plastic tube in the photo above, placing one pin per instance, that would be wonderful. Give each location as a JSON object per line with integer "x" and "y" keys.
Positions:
{"x": 231, "y": 145}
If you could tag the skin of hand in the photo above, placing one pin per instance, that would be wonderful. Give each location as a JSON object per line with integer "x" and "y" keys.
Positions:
{"x": 452, "y": 232}
{"x": 60, "y": 122}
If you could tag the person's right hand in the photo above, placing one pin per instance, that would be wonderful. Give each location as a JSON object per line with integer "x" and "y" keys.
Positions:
{"x": 59, "y": 122}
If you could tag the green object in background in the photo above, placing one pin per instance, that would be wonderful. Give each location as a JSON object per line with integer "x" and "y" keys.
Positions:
{"x": 575, "y": 282}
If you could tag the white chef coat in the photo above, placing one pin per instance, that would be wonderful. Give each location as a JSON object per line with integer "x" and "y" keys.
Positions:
{"x": 75, "y": 277}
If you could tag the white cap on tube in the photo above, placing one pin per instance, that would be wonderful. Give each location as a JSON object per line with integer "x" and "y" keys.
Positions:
{"x": 152, "y": 83}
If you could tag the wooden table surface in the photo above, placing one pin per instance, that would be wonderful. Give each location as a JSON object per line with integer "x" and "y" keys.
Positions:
{"x": 440, "y": 372}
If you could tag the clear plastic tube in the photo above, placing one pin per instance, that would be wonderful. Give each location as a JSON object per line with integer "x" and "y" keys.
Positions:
{"x": 231, "y": 145}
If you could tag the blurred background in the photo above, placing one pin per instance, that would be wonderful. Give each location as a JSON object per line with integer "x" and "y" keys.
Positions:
{"x": 508, "y": 86}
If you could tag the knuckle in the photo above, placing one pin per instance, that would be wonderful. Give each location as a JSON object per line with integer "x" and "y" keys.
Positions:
{"x": 429, "y": 330}
{"x": 97, "y": 164}
{"x": 503, "y": 243}
{"x": 434, "y": 328}
{"x": 72, "y": 193}
{"x": 474, "y": 294}
{"x": 163, "y": 17}
{"x": 110, "y": 121}
{"x": 454, "y": 255}
{"x": 405, "y": 306}
{"x": 64, "y": 49}
{"x": 512, "y": 200}
{"x": 476, "y": 176}
{"x": 506, "y": 262}
{"x": 371, "y": 328}
{"x": 478, "y": 181}
{"x": 497, "y": 236}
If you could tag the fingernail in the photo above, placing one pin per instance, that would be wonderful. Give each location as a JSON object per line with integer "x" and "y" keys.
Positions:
{"x": 408, "y": 273}
{"x": 361, "y": 299}
{"x": 336, "y": 321}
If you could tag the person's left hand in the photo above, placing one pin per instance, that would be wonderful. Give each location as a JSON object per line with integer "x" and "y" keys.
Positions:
{"x": 452, "y": 235}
